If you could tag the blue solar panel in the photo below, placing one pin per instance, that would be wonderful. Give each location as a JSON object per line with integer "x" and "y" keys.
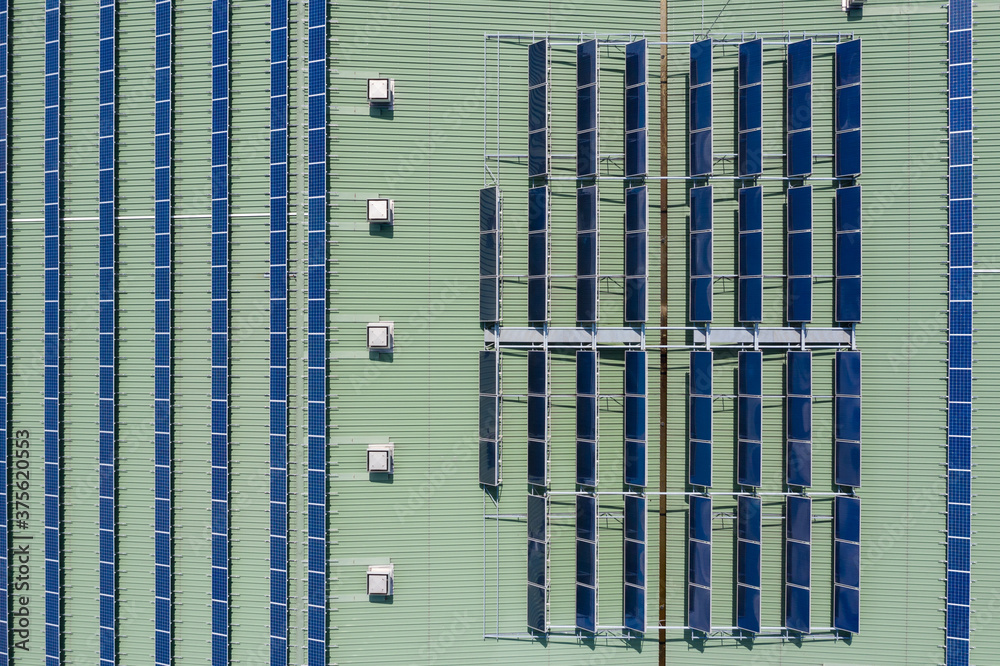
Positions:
{"x": 846, "y": 607}
{"x": 800, "y": 63}
{"x": 750, "y": 108}
{"x": 797, "y": 563}
{"x": 537, "y": 509}
{"x": 960, "y": 47}
{"x": 751, "y": 65}
{"x": 586, "y": 517}
{"x": 701, "y": 62}
{"x": 701, "y": 153}
{"x": 537, "y": 63}
{"x": 700, "y": 563}
{"x": 700, "y": 464}
{"x": 848, "y": 104}
{"x": 635, "y": 518}
{"x": 538, "y": 253}
{"x": 847, "y": 562}
{"x": 586, "y": 608}
{"x": 847, "y": 149}
{"x": 636, "y": 110}
{"x": 701, "y": 108}
{"x": 797, "y": 602}
{"x": 960, "y": 15}
{"x": 847, "y": 519}
{"x": 701, "y": 208}
{"x": 701, "y": 518}
{"x": 748, "y": 523}
{"x": 848, "y": 373}
{"x": 635, "y": 62}
{"x": 750, "y": 154}
{"x": 958, "y": 587}
{"x": 699, "y": 608}
{"x": 537, "y": 109}
{"x": 748, "y": 608}
{"x": 537, "y": 612}
{"x": 586, "y": 63}
{"x": 848, "y": 63}
{"x": 536, "y": 562}
{"x": 586, "y": 562}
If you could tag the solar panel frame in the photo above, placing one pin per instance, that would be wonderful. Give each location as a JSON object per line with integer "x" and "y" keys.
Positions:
{"x": 637, "y": 138}
{"x": 798, "y": 547}
{"x": 700, "y": 273}
{"x": 700, "y": 159}
{"x": 751, "y": 255}
{"x": 748, "y": 562}
{"x": 490, "y": 470}
{"x": 490, "y": 207}
{"x": 798, "y": 389}
{"x": 799, "y": 109}
{"x": 846, "y": 596}
{"x": 847, "y": 142}
{"x": 587, "y": 426}
{"x": 847, "y": 418}
{"x": 749, "y": 421}
{"x": 637, "y": 252}
{"x": 634, "y": 569}
{"x": 587, "y": 567}
{"x": 538, "y": 532}
{"x": 588, "y": 109}
{"x": 799, "y": 266}
{"x": 699, "y": 593}
{"x": 588, "y": 255}
{"x": 750, "y": 111}
{"x": 538, "y": 399}
{"x": 538, "y": 80}
{"x": 538, "y": 254}
{"x": 636, "y": 418}
{"x": 700, "y": 406}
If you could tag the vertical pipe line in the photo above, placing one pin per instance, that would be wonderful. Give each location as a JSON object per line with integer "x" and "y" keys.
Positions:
{"x": 317, "y": 394}
{"x": 220, "y": 333}
{"x": 163, "y": 336}
{"x": 52, "y": 161}
{"x": 279, "y": 333}
{"x": 107, "y": 333}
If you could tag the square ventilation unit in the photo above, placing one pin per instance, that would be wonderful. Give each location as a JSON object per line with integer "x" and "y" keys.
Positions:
{"x": 380, "y": 580}
{"x": 380, "y": 91}
{"x": 380, "y": 211}
{"x": 380, "y": 458}
{"x": 380, "y": 336}
{"x": 848, "y": 5}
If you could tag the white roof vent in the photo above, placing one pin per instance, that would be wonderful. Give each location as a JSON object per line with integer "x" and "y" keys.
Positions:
{"x": 381, "y": 91}
{"x": 380, "y": 580}
{"x": 380, "y": 458}
{"x": 380, "y": 211}
{"x": 380, "y": 336}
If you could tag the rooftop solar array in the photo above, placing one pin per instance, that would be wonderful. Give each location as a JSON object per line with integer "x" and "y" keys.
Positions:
{"x": 107, "y": 397}
{"x": 489, "y": 414}
{"x": 489, "y": 254}
{"x": 960, "y": 241}
{"x": 317, "y": 334}
{"x": 701, "y": 276}
{"x": 538, "y": 556}
{"x": 798, "y": 418}
{"x": 749, "y": 418}
{"x": 700, "y": 419}
{"x": 586, "y": 562}
{"x": 163, "y": 335}
{"x": 634, "y": 616}
{"x": 636, "y": 254}
{"x": 798, "y": 559}
{"x": 847, "y": 308}
{"x": 846, "y": 564}
{"x": 799, "y": 254}
{"x": 635, "y": 417}
{"x": 538, "y": 254}
{"x": 279, "y": 334}
{"x": 700, "y": 125}
{"x": 748, "y": 563}
{"x": 847, "y": 418}
{"x": 587, "y": 270}
{"x": 220, "y": 332}
{"x": 586, "y": 418}
{"x": 587, "y": 109}
{"x": 538, "y": 109}
{"x": 538, "y": 417}
{"x": 751, "y": 255}
{"x": 699, "y": 592}
{"x": 52, "y": 384}
{"x": 847, "y": 142}
{"x": 636, "y": 115}
{"x": 798, "y": 163}
{"x": 750, "y": 148}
